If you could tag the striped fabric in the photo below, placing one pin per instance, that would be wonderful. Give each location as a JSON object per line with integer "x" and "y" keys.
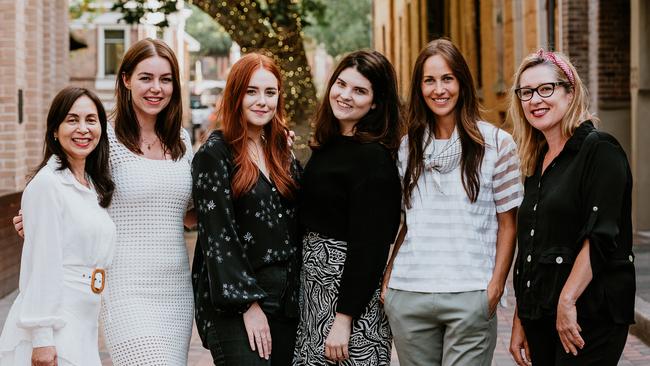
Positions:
{"x": 450, "y": 245}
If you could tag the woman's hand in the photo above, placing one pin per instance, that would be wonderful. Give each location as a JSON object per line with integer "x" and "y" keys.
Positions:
{"x": 259, "y": 333}
{"x": 291, "y": 138}
{"x": 190, "y": 220}
{"x": 518, "y": 343}
{"x": 18, "y": 224}
{"x": 336, "y": 344}
{"x": 567, "y": 326}
{"x": 44, "y": 356}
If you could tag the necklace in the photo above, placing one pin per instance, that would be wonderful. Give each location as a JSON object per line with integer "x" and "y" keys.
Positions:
{"x": 148, "y": 143}
{"x": 255, "y": 157}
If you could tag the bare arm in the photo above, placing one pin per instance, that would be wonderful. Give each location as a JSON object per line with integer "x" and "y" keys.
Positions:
{"x": 401, "y": 234}
{"x": 506, "y": 235}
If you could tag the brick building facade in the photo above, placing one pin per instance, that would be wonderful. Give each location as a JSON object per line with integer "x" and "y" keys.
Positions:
{"x": 607, "y": 41}
{"x": 34, "y": 44}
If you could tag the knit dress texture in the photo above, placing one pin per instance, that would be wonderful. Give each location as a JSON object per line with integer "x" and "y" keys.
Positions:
{"x": 148, "y": 303}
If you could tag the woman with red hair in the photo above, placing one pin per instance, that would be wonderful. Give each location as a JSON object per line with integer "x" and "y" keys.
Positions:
{"x": 247, "y": 258}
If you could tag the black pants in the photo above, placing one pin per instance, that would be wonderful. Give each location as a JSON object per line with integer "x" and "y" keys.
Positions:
{"x": 604, "y": 343}
{"x": 233, "y": 348}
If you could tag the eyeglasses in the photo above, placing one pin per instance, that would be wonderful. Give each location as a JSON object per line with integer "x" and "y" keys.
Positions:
{"x": 544, "y": 90}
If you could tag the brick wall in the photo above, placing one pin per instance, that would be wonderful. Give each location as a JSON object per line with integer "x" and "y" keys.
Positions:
{"x": 614, "y": 53}
{"x": 34, "y": 48}
{"x": 34, "y": 45}
{"x": 575, "y": 35}
{"x": 10, "y": 244}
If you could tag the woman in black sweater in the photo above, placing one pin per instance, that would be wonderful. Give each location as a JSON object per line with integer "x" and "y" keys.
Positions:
{"x": 351, "y": 209}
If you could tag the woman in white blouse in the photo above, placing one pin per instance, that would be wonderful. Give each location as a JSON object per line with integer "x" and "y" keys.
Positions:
{"x": 69, "y": 241}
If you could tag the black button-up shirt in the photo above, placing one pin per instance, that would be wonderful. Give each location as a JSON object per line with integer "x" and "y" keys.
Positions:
{"x": 239, "y": 240}
{"x": 584, "y": 193}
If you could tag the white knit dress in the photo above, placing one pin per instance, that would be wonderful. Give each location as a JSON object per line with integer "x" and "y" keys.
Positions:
{"x": 148, "y": 303}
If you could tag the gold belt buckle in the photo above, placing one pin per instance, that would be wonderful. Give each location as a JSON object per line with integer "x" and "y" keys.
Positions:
{"x": 97, "y": 275}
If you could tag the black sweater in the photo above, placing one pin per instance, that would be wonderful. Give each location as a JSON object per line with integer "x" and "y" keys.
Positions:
{"x": 351, "y": 192}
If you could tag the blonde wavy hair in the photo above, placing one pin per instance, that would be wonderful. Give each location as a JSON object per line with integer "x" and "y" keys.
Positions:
{"x": 530, "y": 141}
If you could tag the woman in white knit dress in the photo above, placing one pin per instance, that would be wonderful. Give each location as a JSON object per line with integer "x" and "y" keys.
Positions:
{"x": 148, "y": 307}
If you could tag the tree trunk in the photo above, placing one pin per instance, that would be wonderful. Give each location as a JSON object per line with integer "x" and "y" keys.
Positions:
{"x": 278, "y": 34}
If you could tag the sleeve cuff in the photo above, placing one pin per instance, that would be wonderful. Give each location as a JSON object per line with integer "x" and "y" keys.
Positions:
{"x": 349, "y": 310}
{"x": 43, "y": 337}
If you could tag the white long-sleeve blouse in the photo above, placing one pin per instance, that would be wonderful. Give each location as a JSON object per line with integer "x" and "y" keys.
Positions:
{"x": 65, "y": 229}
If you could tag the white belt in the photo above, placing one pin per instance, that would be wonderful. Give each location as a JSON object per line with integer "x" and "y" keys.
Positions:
{"x": 94, "y": 277}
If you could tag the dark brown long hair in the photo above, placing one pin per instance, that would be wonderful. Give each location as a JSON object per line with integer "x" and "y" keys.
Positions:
{"x": 381, "y": 124}
{"x": 235, "y": 131}
{"x": 168, "y": 121}
{"x": 421, "y": 120}
{"x": 97, "y": 161}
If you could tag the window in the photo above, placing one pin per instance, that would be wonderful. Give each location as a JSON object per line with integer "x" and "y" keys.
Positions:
{"x": 113, "y": 50}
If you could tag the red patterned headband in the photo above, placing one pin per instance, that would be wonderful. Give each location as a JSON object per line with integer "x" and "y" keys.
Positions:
{"x": 550, "y": 56}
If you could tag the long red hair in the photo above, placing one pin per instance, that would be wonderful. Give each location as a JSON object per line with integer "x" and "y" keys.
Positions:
{"x": 235, "y": 131}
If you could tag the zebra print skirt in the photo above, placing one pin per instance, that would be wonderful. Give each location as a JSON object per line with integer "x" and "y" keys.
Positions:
{"x": 370, "y": 339}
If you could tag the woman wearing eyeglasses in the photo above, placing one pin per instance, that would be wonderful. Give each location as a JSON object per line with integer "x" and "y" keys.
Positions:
{"x": 574, "y": 273}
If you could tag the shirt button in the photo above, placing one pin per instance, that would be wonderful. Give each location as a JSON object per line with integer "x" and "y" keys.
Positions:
{"x": 539, "y": 184}
{"x": 532, "y": 232}
{"x": 280, "y": 215}
{"x": 595, "y": 208}
{"x": 517, "y": 271}
{"x": 631, "y": 258}
{"x": 529, "y": 258}
{"x": 527, "y": 283}
{"x": 559, "y": 260}
{"x": 273, "y": 189}
{"x": 535, "y": 207}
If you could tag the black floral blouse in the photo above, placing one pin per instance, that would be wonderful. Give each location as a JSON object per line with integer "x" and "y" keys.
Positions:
{"x": 239, "y": 238}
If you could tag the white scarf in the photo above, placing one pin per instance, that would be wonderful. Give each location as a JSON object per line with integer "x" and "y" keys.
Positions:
{"x": 443, "y": 160}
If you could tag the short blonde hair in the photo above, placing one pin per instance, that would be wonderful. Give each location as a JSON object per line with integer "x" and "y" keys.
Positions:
{"x": 531, "y": 141}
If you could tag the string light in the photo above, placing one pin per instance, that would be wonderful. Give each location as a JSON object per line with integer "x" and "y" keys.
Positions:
{"x": 248, "y": 24}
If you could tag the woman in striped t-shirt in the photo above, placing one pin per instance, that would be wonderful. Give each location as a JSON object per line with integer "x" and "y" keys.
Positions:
{"x": 461, "y": 189}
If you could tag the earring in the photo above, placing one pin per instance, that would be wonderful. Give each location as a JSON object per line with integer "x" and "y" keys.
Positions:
{"x": 56, "y": 139}
{"x": 128, "y": 96}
